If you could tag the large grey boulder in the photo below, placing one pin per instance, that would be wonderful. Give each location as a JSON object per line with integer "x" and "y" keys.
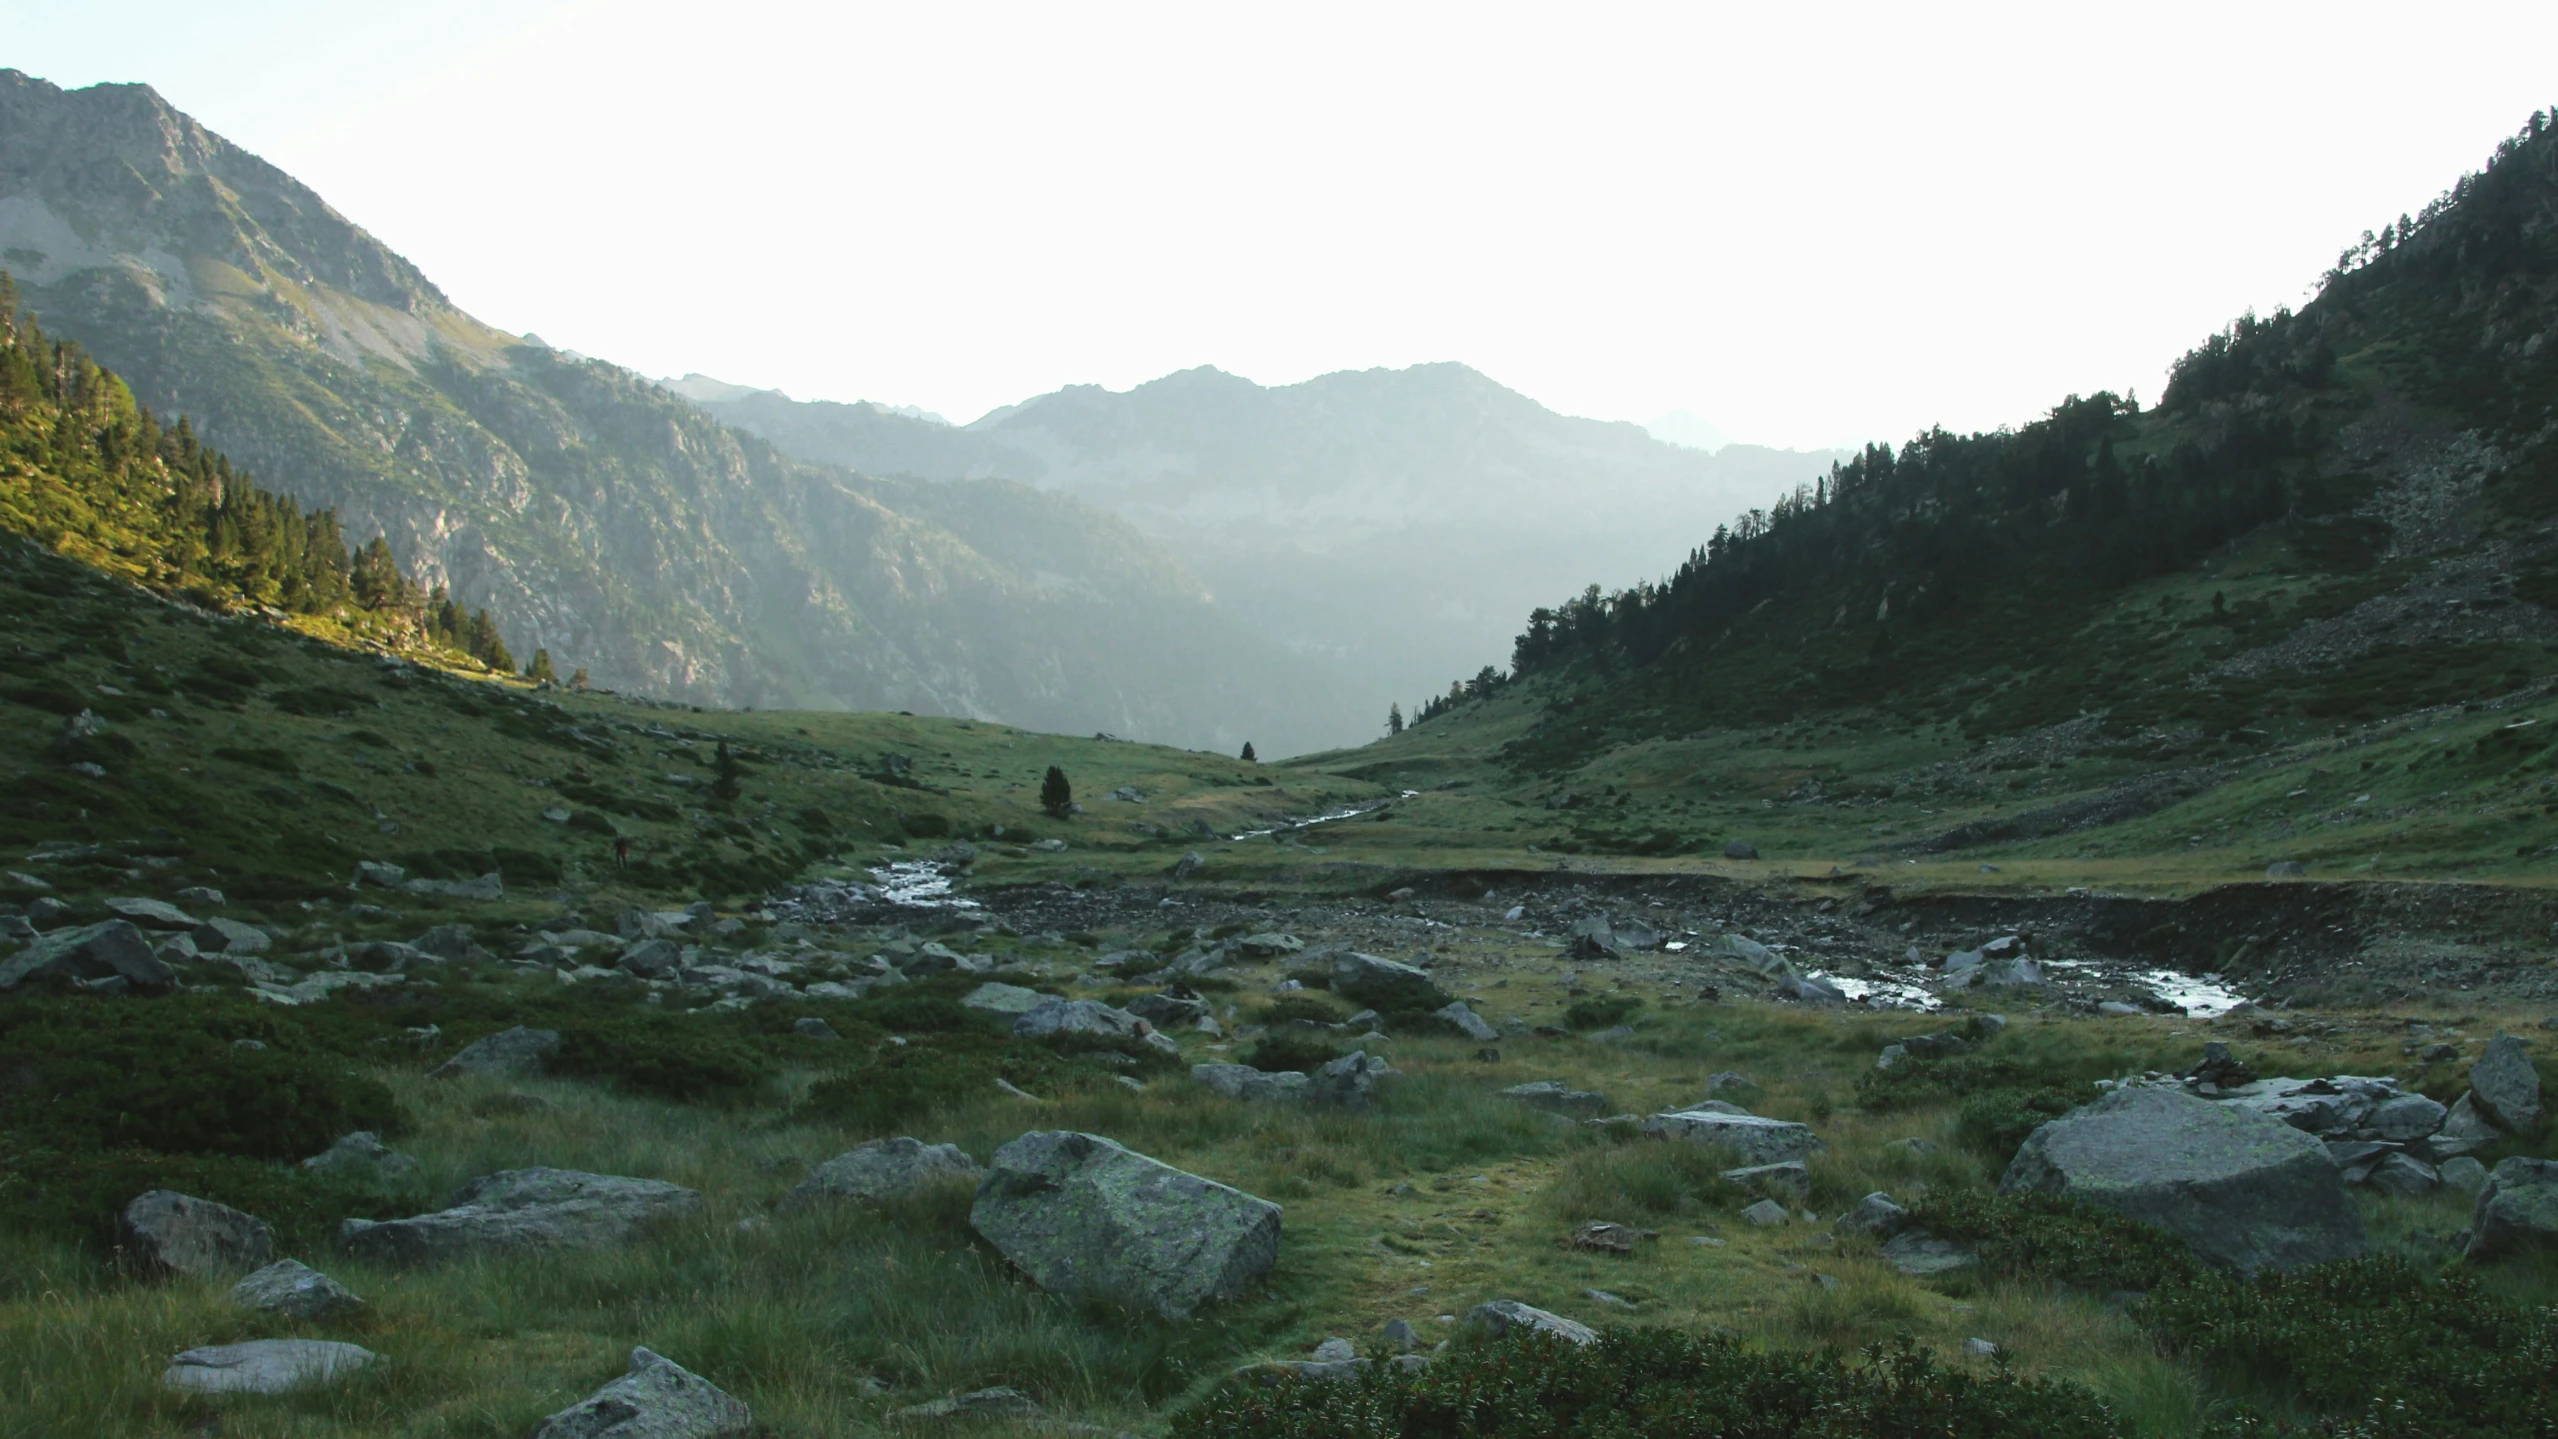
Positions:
{"x": 1461, "y": 1017}
{"x": 523, "y": 1209}
{"x": 1371, "y": 980}
{"x": 2506, "y": 1086}
{"x": 1501, "y": 1316}
{"x": 295, "y": 1290}
{"x": 1082, "y": 1215}
{"x": 517, "y": 1053}
{"x": 2244, "y": 1190}
{"x": 1253, "y": 1086}
{"x": 885, "y": 1169}
{"x": 995, "y": 997}
{"x": 656, "y": 1399}
{"x": 264, "y": 1366}
{"x": 1747, "y": 1137}
{"x": 93, "y": 954}
{"x": 1089, "y": 1016}
{"x": 2464, "y": 1130}
{"x": 171, "y": 1233}
{"x": 2518, "y": 1210}
{"x": 1349, "y": 1082}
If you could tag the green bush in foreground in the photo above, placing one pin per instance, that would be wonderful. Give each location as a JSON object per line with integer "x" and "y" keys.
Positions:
{"x": 2046, "y": 1236}
{"x": 1659, "y": 1384}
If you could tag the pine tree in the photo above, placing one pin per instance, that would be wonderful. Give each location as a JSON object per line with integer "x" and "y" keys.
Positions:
{"x": 578, "y": 681}
{"x": 540, "y": 671}
{"x": 1394, "y": 718}
{"x": 1055, "y": 795}
{"x": 1248, "y": 756}
{"x": 726, "y": 786}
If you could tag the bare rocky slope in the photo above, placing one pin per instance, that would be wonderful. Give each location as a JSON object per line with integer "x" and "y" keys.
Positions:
{"x": 609, "y": 521}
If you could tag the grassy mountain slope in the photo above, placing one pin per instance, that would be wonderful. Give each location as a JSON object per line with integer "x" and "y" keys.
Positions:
{"x": 1391, "y": 520}
{"x": 2082, "y": 638}
{"x": 606, "y": 520}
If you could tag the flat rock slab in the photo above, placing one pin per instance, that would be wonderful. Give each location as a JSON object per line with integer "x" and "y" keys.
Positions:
{"x": 1746, "y": 1137}
{"x": 173, "y": 1233}
{"x": 994, "y": 997}
{"x": 94, "y": 953}
{"x": 656, "y": 1399}
{"x": 1556, "y": 1095}
{"x": 523, "y": 1209}
{"x": 1920, "y": 1255}
{"x": 1083, "y": 1215}
{"x": 292, "y": 1288}
{"x": 1504, "y": 1316}
{"x": 152, "y": 913}
{"x": 264, "y": 1366}
{"x": 885, "y": 1169}
{"x": 1001, "y": 1402}
{"x": 2244, "y": 1190}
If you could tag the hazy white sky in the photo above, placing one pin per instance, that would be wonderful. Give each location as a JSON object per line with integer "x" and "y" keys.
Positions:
{"x": 1806, "y": 223}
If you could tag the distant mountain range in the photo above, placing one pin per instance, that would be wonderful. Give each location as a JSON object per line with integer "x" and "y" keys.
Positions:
{"x": 609, "y": 521}
{"x": 1397, "y": 523}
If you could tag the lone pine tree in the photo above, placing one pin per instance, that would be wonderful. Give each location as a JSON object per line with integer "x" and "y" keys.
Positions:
{"x": 1055, "y": 795}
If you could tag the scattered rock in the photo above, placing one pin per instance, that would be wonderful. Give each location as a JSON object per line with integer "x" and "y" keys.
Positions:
{"x": 202, "y": 894}
{"x": 651, "y": 958}
{"x": 171, "y": 1233}
{"x": 1089, "y": 1016}
{"x": 1810, "y": 989}
{"x": 1001, "y": 1402}
{"x": 516, "y": 1053}
{"x": 523, "y": 1209}
{"x": 295, "y": 1290}
{"x": 997, "y": 998}
{"x": 2286, "y": 869}
{"x": 1501, "y": 1316}
{"x": 1875, "y": 1214}
{"x": 1083, "y": 1215}
{"x": 1242, "y": 1081}
{"x": 152, "y": 913}
{"x": 2517, "y": 1210}
{"x": 2505, "y": 1086}
{"x": 379, "y": 874}
{"x": 1789, "y": 1175}
{"x": 1917, "y": 1253}
{"x": 1176, "y": 1006}
{"x": 2464, "y": 1130}
{"x": 2405, "y": 1176}
{"x": 229, "y": 936}
{"x": 264, "y": 1366}
{"x": 363, "y": 1153}
{"x": 1607, "y": 1237}
{"x": 885, "y": 1169}
{"x": 1349, "y": 1082}
{"x": 809, "y": 1026}
{"x": 1746, "y": 1137}
{"x": 1461, "y": 1017}
{"x": 1740, "y": 849}
{"x": 1980, "y": 1348}
{"x": 657, "y": 1399}
{"x": 1402, "y": 1335}
{"x": 1370, "y": 980}
{"x": 1768, "y": 1214}
{"x": 1267, "y": 945}
{"x": 2244, "y": 1190}
{"x": 97, "y": 955}
{"x": 1554, "y": 1094}
{"x": 2463, "y": 1173}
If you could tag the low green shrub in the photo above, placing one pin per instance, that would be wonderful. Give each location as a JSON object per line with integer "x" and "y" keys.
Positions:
{"x": 1660, "y": 1384}
{"x": 1995, "y": 1122}
{"x": 666, "y": 1056}
{"x": 2045, "y": 1236}
{"x": 888, "y": 1090}
{"x": 1292, "y": 1049}
{"x": 1600, "y": 1011}
{"x": 1289, "y": 1008}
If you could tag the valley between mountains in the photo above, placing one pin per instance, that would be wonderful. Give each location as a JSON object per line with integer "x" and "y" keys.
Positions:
{"x": 2043, "y": 932}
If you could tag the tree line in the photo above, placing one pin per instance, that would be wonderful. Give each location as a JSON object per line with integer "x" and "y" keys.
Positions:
{"x": 89, "y": 472}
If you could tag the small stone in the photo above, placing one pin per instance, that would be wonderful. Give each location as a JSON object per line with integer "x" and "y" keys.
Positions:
{"x": 1919, "y": 1254}
{"x": 1001, "y": 1402}
{"x": 2463, "y": 1173}
{"x": 657, "y": 1399}
{"x": 1501, "y": 1316}
{"x": 362, "y": 1153}
{"x": 1612, "y": 1301}
{"x": 264, "y": 1366}
{"x": 1876, "y": 1214}
{"x": 1402, "y": 1335}
{"x": 812, "y": 1027}
{"x": 508, "y": 1054}
{"x": 1601, "y": 1235}
{"x": 1767, "y": 1214}
{"x": 1980, "y": 1348}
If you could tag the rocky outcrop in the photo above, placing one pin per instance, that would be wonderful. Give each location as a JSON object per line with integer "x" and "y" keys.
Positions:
{"x": 1085, "y": 1216}
{"x": 1746, "y": 1137}
{"x": 656, "y": 1398}
{"x": 885, "y": 1169}
{"x": 1092, "y": 1017}
{"x": 171, "y": 1233}
{"x": 296, "y": 1290}
{"x": 523, "y": 1209}
{"x": 517, "y": 1053}
{"x": 111, "y": 956}
{"x": 2243, "y": 1189}
{"x": 264, "y": 1366}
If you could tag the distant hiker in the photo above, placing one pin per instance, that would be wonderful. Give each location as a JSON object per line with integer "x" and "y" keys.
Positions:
{"x": 622, "y": 852}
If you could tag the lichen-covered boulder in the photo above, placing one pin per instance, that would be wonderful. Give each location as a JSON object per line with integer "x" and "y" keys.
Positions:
{"x": 508, "y": 1054}
{"x": 522, "y": 1209}
{"x": 171, "y": 1233}
{"x": 884, "y": 1169}
{"x": 657, "y": 1399}
{"x": 1083, "y": 1215}
{"x": 1749, "y": 1138}
{"x": 2244, "y": 1190}
{"x": 2518, "y": 1209}
{"x": 296, "y": 1290}
{"x": 1349, "y": 1082}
